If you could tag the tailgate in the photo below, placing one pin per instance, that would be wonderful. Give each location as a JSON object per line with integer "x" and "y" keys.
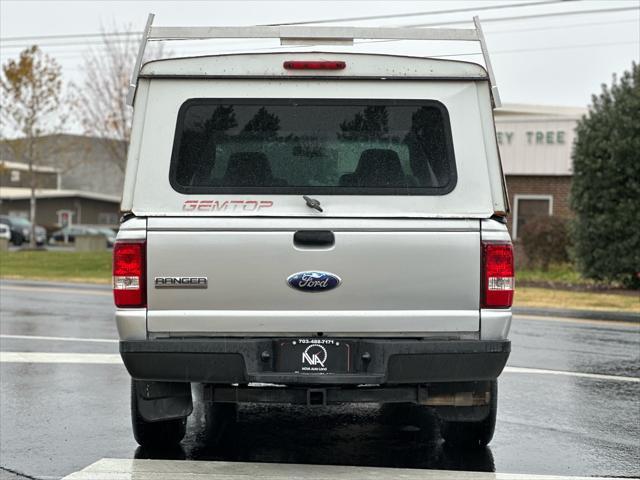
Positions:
{"x": 398, "y": 277}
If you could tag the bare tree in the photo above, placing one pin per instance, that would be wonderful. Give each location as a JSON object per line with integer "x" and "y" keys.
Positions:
{"x": 101, "y": 101}
{"x": 32, "y": 107}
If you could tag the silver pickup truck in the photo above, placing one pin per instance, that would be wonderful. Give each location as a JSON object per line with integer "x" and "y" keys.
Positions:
{"x": 313, "y": 228}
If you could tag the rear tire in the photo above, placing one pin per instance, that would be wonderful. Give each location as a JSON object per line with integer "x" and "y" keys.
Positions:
{"x": 162, "y": 433}
{"x": 219, "y": 417}
{"x": 211, "y": 419}
{"x": 473, "y": 434}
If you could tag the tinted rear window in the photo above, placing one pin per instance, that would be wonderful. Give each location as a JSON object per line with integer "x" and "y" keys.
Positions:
{"x": 313, "y": 146}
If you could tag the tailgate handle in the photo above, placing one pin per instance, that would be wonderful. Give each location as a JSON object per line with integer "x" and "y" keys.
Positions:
{"x": 314, "y": 238}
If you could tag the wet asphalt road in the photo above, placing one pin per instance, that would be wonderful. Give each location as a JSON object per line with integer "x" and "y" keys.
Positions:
{"x": 57, "y": 418}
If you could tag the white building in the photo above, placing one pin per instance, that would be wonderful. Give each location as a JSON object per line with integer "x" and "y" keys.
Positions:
{"x": 535, "y": 145}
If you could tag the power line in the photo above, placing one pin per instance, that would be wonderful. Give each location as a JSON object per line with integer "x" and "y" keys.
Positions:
{"x": 518, "y": 50}
{"x": 495, "y": 52}
{"x": 432, "y": 24}
{"x": 487, "y": 32}
{"x": 66, "y": 44}
{"x": 71, "y": 35}
{"x": 456, "y": 22}
{"x": 526, "y": 50}
{"x": 419, "y": 14}
{"x": 556, "y": 27}
{"x": 525, "y": 17}
{"x": 343, "y": 19}
{"x": 566, "y": 47}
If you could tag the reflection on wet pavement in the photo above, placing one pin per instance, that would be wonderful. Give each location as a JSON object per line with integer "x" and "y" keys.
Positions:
{"x": 393, "y": 436}
{"x": 59, "y": 418}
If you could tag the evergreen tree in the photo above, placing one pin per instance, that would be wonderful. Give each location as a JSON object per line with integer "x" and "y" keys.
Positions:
{"x": 605, "y": 193}
{"x": 370, "y": 124}
{"x": 264, "y": 125}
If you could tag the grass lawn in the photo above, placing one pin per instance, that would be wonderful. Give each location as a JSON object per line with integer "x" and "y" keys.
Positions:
{"x": 561, "y": 286}
{"x": 554, "y": 298}
{"x": 87, "y": 267}
{"x": 95, "y": 267}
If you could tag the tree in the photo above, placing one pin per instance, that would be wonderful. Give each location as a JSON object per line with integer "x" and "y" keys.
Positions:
{"x": 100, "y": 104}
{"x": 32, "y": 107}
{"x": 264, "y": 125}
{"x": 370, "y": 124}
{"x": 605, "y": 193}
{"x": 198, "y": 144}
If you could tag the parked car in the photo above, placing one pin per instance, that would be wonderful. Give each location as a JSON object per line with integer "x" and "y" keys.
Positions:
{"x": 41, "y": 235}
{"x": 315, "y": 229}
{"x": 5, "y": 232}
{"x": 68, "y": 234}
{"x": 109, "y": 234}
{"x": 21, "y": 230}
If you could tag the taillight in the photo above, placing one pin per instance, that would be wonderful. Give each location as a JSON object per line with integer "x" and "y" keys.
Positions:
{"x": 129, "y": 286}
{"x": 314, "y": 65}
{"x": 498, "y": 280}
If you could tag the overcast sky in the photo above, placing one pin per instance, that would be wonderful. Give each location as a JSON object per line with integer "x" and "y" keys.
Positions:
{"x": 553, "y": 60}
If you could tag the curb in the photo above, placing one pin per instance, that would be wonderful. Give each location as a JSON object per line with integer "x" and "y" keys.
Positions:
{"x": 584, "y": 314}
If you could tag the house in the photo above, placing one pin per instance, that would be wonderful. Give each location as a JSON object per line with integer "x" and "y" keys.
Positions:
{"x": 16, "y": 175}
{"x": 84, "y": 163}
{"x": 56, "y": 208}
{"x": 77, "y": 180}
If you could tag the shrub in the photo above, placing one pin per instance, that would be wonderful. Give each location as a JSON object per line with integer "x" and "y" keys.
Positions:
{"x": 605, "y": 192}
{"x": 546, "y": 240}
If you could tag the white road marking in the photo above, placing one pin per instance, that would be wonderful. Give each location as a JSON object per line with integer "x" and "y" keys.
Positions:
{"x": 70, "y": 291}
{"x": 597, "y": 376}
{"x": 57, "y": 357}
{"x": 114, "y": 468}
{"x": 59, "y": 339}
{"x": 114, "y": 358}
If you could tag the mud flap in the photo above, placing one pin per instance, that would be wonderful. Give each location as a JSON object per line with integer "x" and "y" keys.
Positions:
{"x": 163, "y": 400}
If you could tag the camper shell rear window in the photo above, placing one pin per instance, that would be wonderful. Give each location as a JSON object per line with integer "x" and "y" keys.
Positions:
{"x": 288, "y": 146}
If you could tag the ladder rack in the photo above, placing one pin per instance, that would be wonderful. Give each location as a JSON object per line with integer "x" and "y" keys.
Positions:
{"x": 305, "y": 35}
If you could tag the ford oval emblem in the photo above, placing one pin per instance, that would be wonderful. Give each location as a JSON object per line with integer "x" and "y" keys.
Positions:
{"x": 313, "y": 281}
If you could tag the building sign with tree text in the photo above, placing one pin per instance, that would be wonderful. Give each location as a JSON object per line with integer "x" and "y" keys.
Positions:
{"x": 535, "y": 147}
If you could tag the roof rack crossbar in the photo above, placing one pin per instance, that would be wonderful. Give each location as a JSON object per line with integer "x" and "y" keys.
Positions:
{"x": 304, "y": 35}
{"x": 312, "y": 33}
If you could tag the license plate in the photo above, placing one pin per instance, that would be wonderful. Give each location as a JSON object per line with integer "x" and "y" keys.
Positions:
{"x": 313, "y": 355}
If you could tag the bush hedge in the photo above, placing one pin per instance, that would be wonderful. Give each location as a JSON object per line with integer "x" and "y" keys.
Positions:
{"x": 546, "y": 240}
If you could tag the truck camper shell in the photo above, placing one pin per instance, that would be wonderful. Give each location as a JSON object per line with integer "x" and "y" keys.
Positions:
{"x": 465, "y": 93}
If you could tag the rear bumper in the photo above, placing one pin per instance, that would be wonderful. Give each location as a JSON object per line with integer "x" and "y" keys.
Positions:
{"x": 375, "y": 361}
